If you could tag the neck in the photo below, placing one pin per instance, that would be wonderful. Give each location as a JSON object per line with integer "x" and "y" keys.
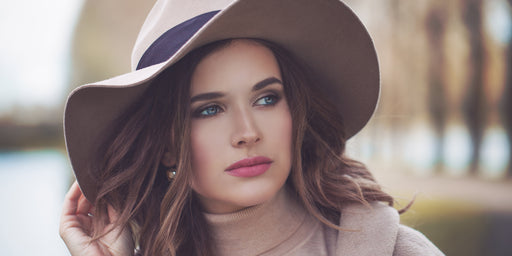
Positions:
{"x": 257, "y": 229}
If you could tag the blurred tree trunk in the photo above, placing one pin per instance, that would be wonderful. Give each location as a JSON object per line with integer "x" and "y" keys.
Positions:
{"x": 436, "y": 26}
{"x": 506, "y": 102}
{"x": 507, "y": 106}
{"x": 474, "y": 105}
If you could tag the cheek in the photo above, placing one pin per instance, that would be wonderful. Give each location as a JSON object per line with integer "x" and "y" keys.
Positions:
{"x": 287, "y": 132}
{"x": 281, "y": 132}
{"x": 204, "y": 144}
{"x": 286, "y": 125}
{"x": 200, "y": 149}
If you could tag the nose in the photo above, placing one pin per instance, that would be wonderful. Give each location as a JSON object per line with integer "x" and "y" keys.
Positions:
{"x": 246, "y": 132}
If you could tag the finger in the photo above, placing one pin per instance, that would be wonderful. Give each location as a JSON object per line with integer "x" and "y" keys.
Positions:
{"x": 85, "y": 223}
{"x": 84, "y": 206}
{"x": 70, "y": 204}
{"x": 70, "y": 222}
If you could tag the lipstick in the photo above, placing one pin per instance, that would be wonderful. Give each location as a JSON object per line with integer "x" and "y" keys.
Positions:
{"x": 249, "y": 167}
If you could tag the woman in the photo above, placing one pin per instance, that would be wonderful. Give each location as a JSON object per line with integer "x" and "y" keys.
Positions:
{"x": 223, "y": 142}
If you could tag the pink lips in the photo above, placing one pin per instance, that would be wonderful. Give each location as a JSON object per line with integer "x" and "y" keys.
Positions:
{"x": 249, "y": 167}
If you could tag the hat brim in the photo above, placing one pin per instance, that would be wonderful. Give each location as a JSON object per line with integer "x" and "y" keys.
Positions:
{"x": 325, "y": 35}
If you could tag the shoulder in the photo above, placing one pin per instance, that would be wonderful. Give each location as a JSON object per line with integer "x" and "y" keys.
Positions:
{"x": 412, "y": 242}
{"x": 367, "y": 230}
{"x": 375, "y": 229}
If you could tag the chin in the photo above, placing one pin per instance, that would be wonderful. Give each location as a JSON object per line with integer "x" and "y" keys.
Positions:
{"x": 255, "y": 195}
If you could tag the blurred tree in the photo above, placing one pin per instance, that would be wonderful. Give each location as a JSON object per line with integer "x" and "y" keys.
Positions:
{"x": 15, "y": 136}
{"x": 104, "y": 37}
{"x": 436, "y": 24}
{"x": 474, "y": 105}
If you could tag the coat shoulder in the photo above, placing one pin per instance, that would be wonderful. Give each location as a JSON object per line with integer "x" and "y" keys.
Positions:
{"x": 375, "y": 229}
{"x": 367, "y": 230}
{"x": 412, "y": 242}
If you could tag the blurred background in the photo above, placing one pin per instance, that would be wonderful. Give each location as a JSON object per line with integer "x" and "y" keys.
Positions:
{"x": 442, "y": 132}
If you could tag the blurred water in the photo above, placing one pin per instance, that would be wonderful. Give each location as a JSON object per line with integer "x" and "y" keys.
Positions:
{"x": 416, "y": 151}
{"x": 32, "y": 188}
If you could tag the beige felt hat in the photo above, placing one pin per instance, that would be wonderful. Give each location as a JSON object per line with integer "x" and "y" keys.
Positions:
{"x": 324, "y": 34}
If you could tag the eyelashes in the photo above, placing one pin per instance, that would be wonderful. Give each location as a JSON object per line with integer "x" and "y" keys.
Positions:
{"x": 207, "y": 111}
{"x": 213, "y": 109}
{"x": 267, "y": 100}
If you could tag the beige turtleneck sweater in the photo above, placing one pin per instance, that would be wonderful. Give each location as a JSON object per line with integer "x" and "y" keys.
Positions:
{"x": 283, "y": 227}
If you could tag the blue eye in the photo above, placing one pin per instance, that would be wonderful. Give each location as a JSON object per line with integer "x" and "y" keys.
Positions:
{"x": 209, "y": 111}
{"x": 267, "y": 100}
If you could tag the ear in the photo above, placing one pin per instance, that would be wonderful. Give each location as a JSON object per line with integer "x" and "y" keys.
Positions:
{"x": 168, "y": 159}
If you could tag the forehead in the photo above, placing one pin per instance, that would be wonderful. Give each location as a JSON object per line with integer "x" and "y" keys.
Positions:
{"x": 242, "y": 62}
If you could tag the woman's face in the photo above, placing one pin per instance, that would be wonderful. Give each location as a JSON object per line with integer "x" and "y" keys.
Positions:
{"x": 241, "y": 128}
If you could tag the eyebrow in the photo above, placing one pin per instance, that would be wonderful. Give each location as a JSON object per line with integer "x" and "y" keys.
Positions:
{"x": 214, "y": 95}
{"x": 206, "y": 96}
{"x": 264, "y": 83}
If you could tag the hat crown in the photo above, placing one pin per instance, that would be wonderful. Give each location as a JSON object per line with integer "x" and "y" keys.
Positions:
{"x": 166, "y": 14}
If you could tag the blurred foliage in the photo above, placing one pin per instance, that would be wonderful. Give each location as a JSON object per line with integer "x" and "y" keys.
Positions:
{"x": 20, "y": 136}
{"x": 445, "y": 66}
{"x": 104, "y": 37}
{"x": 461, "y": 229}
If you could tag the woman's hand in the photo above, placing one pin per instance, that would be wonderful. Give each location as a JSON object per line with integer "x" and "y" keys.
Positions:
{"x": 76, "y": 228}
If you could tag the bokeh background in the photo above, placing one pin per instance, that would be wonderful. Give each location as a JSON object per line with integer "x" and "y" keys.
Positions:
{"x": 442, "y": 132}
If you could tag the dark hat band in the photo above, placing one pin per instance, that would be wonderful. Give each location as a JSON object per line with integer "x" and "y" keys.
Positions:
{"x": 172, "y": 40}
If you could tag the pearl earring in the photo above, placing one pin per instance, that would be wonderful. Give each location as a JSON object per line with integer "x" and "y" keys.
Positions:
{"x": 171, "y": 173}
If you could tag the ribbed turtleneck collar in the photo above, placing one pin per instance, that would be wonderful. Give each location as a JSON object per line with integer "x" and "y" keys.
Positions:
{"x": 262, "y": 228}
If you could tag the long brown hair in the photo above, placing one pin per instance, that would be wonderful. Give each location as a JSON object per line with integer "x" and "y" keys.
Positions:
{"x": 164, "y": 216}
